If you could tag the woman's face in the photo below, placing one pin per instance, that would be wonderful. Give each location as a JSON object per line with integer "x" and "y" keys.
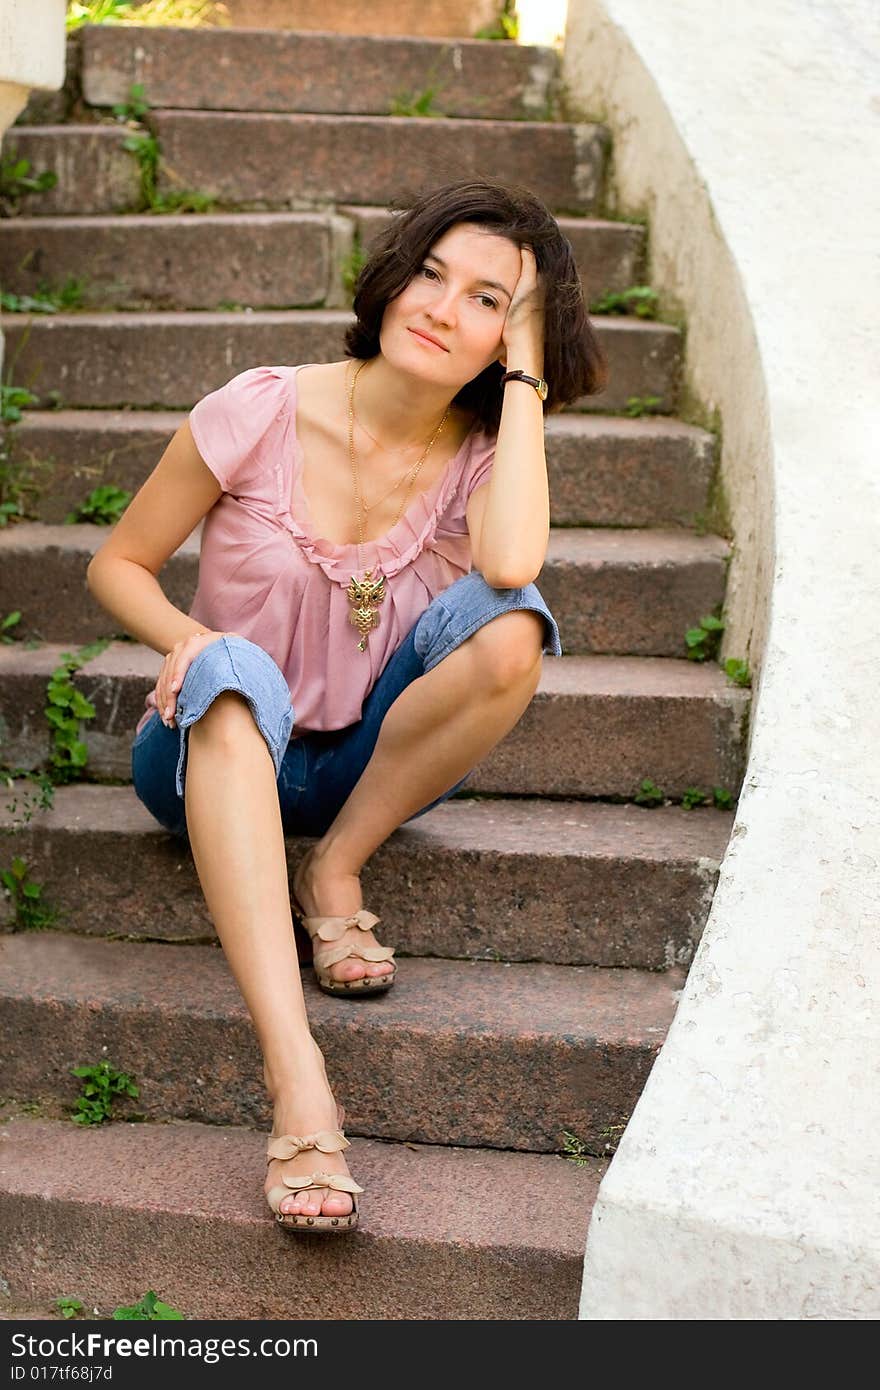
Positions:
{"x": 458, "y": 297}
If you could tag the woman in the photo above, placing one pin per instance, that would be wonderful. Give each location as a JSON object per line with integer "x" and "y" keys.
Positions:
{"x": 373, "y": 528}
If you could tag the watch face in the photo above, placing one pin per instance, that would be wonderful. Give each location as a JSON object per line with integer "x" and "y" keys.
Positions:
{"x": 542, "y": 390}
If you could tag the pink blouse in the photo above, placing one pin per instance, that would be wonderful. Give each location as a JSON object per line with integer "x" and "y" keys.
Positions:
{"x": 266, "y": 575}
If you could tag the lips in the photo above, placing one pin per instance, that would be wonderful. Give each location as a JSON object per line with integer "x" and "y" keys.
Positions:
{"x": 429, "y": 337}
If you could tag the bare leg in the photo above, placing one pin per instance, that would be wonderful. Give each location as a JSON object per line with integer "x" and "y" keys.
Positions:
{"x": 438, "y": 728}
{"x": 234, "y": 823}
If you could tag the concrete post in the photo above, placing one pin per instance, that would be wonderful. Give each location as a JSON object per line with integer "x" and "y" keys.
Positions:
{"x": 31, "y": 55}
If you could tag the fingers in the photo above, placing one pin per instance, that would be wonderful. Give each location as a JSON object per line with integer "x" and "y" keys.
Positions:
{"x": 173, "y": 673}
{"x": 528, "y": 278}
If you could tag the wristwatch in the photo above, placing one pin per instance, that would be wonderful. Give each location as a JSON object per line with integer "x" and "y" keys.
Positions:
{"x": 538, "y": 382}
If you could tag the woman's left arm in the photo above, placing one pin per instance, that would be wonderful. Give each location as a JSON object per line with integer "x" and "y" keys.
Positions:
{"x": 509, "y": 518}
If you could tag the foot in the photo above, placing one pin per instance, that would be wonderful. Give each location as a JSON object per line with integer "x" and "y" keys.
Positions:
{"x": 314, "y": 1109}
{"x": 323, "y": 891}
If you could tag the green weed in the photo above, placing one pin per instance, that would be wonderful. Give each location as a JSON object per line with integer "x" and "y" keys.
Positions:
{"x": 183, "y": 14}
{"x": 580, "y": 1153}
{"x": 147, "y": 151}
{"x": 641, "y": 405}
{"x": 15, "y": 484}
{"x": 135, "y": 108}
{"x": 504, "y": 26}
{"x": 415, "y": 103}
{"x": 65, "y": 710}
{"x": 40, "y": 800}
{"x": 575, "y": 1149}
{"x": 640, "y": 300}
{"x": 7, "y": 624}
{"x": 719, "y": 797}
{"x": 13, "y": 400}
{"x": 101, "y": 1084}
{"x": 69, "y": 1307}
{"x": 31, "y": 914}
{"x": 611, "y": 1134}
{"x": 103, "y": 506}
{"x": 649, "y": 794}
{"x": 16, "y": 181}
{"x": 694, "y": 796}
{"x": 738, "y": 671}
{"x": 44, "y": 300}
{"x": 149, "y": 1309}
{"x": 702, "y": 642}
{"x": 352, "y": 266}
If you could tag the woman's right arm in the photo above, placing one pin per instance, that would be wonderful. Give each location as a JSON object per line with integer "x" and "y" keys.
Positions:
{"x": 122, "y": 574}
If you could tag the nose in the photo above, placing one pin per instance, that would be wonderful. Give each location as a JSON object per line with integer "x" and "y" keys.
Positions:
{"x": 442, "y": 309}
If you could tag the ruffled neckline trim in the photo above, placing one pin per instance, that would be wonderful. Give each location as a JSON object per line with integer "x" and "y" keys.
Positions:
{"x": 391, "y": 552}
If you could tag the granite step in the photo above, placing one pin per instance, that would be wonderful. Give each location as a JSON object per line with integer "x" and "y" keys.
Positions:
{"x": 406, "y": 17}
{"x": 560, "y": 882}
{"x": 170, "y": 360}
{"x": 246, "y": 260}
{"x": 243, "y": 160}
{"x": 610, "y": 255}
{"x": 227, "y": 69}
{"x": 624, "y": 593}
{"x": 106, "y": 1212}
{"x": 270, "y": 259}
{"x": 94, "y": 172}
{"x": 603, "y": 470}
{"x": 476, "y": 1053}
{"x": 597, "y": 726}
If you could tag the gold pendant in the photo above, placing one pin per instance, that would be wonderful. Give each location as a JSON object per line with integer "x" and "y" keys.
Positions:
{"x": 363, "y": 593}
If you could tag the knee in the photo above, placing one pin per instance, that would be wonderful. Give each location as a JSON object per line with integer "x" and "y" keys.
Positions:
{"x": 508, "y": 649}
{"x": 223, "y": 722}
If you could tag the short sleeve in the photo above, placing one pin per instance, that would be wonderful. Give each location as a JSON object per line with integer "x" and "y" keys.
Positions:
{"x": 229, "y": 424}
{"x": 479, "y": 465}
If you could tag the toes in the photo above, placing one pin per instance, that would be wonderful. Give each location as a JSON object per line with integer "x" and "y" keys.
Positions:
{"x": 337, "y": 1204}
{"x": 351, "y": 969}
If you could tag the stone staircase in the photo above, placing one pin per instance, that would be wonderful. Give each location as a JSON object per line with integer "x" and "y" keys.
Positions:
{"x": 549, "y": 919}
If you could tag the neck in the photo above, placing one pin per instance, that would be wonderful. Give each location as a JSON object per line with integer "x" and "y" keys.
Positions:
{"x": 397, "y": 407}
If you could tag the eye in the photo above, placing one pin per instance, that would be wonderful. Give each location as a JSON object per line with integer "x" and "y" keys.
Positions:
{"x": 488, "y": 301}
{"x": 429, "y": 271}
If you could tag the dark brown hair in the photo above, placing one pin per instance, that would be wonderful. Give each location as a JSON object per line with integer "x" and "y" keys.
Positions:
{"x": 574, "y": 363}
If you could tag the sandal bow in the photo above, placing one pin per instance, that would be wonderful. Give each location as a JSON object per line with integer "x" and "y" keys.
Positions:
{"x": 340, "y": 1181}
{"x": 327, "y": 1141}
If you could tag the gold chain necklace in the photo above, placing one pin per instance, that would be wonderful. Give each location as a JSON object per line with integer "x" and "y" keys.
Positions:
{"x": 364, "y": 594}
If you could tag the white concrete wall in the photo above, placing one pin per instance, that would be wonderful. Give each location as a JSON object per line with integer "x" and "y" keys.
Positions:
{"x": 746, "y": 1185}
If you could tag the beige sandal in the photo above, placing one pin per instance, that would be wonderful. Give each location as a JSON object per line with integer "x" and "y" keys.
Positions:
{"x": 331, "y": 929}
{"x": 326, "y": 1141}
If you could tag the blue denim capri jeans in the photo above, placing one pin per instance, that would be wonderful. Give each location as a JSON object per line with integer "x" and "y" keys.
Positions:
{"x": 316, "y": 771}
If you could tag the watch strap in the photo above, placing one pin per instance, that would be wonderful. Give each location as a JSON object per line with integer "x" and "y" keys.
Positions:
{"x": 538, "y": 382}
